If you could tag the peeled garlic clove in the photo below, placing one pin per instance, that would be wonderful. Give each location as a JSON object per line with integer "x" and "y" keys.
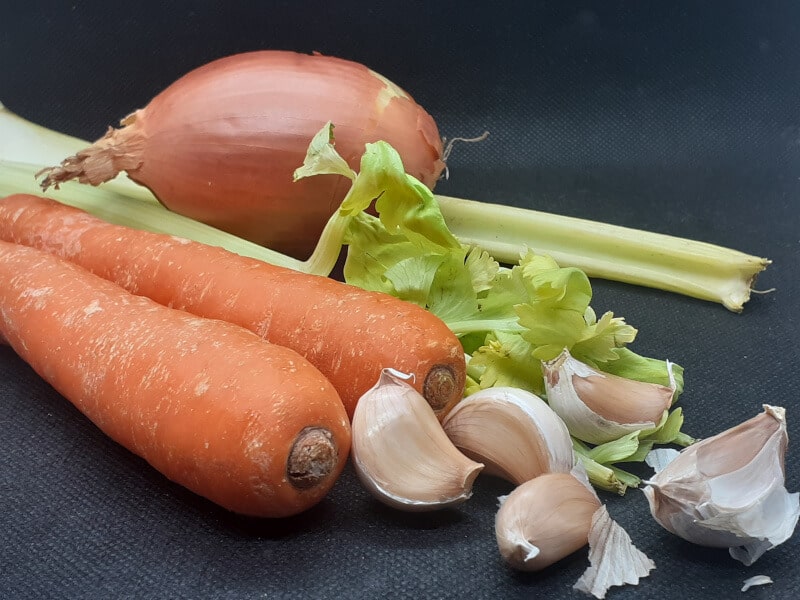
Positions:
{"x": 728, "y": 491}
{"x": 544, "y": 520}
{"x": 599, "y": 407}
{"x": 401, "y": 453}
{"x": 511, "y": 431}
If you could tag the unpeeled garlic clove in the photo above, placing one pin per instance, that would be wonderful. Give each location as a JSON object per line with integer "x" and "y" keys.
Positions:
{"x": 544, "y": 520}
{"x": 511, "y": 431}
{"x": 599, "y": 407}
{"x": 728, "y": 491}
{"x": 401, "y": 453}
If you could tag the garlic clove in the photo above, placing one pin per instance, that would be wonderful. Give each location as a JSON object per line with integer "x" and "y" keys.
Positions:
{"x": 544, "y": 520}
{"x": 401, "y": 453}
{"x": 600, "y": 407}
{"x": 514, "y": 433}
{"x": 547, "y": 518}
{"x": 728, "y": 491}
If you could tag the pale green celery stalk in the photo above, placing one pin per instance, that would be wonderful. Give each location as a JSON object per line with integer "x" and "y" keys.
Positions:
{"x": 629, "y": 480}
{"x": 688, "y": 267}
{"x": 604, "y": 476}
{"x": 683, "y": 439}
{"x": 601, "y": 476}
{"x": 142, "y": 213}
{"x": 465, "y": 327}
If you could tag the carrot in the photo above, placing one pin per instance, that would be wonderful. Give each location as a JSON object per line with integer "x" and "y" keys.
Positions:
{"x": 249, "y": 425}
{"x": 348, "y": 333}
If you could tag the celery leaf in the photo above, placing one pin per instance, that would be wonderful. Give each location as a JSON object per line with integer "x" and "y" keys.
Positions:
{"x": 322, "y": 158}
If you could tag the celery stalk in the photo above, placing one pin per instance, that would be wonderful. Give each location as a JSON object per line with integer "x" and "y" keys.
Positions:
{"x": 602, "y": 476}
{"x": 114, "y": 204}
{"x": 692, "y": 268}
{"x": 632, "y": 256}
{"x": 118, "y": 207}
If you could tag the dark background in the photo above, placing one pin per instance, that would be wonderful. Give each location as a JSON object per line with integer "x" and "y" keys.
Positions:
{"x": 677, "y": 117}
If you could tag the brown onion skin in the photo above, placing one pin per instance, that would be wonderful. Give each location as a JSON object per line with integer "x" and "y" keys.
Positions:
{"x": 221, "y": 144}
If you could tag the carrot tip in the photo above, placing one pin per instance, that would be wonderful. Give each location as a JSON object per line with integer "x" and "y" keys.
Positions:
{"x": 439, "y": 388}
{"x": 313, "y": 458}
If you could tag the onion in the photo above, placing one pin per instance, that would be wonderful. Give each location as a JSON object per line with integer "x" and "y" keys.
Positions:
{"x": 220, "y": 145}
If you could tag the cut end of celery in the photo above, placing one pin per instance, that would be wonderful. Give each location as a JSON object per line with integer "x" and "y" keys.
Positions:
{"x": 739, "y": 295}
{"x": 601, "y": 476}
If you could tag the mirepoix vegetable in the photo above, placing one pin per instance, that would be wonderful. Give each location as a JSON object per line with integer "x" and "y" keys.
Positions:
{"x": 227, "y": 157}
{"x": 251, "y": 426}
{"x": 348, "y": 333}
{"x": 221, "y": 143}
{"x": 604, "y": 251}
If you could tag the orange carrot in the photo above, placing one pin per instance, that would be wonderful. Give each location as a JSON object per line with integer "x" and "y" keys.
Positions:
{"x": 348, "y": 333}
{"x": 249, "y": 425}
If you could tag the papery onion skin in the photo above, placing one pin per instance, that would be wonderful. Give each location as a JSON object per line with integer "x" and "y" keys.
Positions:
{"x": 221, "y": 144}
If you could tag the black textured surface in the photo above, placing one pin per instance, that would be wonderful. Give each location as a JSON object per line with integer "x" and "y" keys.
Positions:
{"x": 677, "y": 117}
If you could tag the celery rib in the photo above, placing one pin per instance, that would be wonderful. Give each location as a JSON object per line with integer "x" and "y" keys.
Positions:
{"x": 604, "y": 251}
{"x": 471, "y": 326}
{"x": 118, "y": 207}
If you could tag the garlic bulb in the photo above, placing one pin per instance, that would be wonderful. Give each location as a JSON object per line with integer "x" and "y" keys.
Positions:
{"x": 727, "y": 491}
{"x": 514, "y": 433}
{"x": 599, "y": 407}
{"x": 543, "y": 520}
{"x": 401, "y": 453}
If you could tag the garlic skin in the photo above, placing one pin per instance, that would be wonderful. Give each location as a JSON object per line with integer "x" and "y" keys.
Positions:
{"x": 727, "y": 491}
{"x": 756, "y": 580}
{"x": 543, "y": 520}
{"x": 400, "y": 452}
{"x": 599, "y": 407}
{"x": 514, "y": 433}
{"x": 613, "y": 558}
